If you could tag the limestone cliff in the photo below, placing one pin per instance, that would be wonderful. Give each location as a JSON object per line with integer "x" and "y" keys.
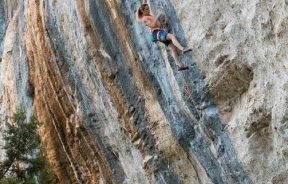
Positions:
{"x": 114, "y": 108}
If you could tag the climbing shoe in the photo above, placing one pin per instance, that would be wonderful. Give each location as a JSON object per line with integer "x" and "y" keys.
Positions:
{"x": 180, "y": 68}
{"x": 186, "y": 50}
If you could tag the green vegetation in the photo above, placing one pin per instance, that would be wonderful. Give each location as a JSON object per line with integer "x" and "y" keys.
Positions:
{"x": 24, "y": 162}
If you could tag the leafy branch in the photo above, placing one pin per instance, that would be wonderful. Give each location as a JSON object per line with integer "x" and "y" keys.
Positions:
{"x": 24, "y": 160}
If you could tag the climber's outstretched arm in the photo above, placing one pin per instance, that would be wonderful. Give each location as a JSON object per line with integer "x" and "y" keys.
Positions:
{"x": 144, "y": 1}
{"x": 156, "y": 19}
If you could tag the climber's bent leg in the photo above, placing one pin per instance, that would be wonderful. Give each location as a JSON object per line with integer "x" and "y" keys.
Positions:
{"x": 175, "y": 56}
{"x": 174, "y": 40}
{"x": 176, "y": 43}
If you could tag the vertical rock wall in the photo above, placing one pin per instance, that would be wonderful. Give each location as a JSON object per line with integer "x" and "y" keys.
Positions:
{"x": 114, "y": 108}
{"x": 240, "y": 47}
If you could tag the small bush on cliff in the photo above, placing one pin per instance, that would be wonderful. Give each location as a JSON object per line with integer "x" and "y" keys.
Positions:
{"x": 24, "y": 162}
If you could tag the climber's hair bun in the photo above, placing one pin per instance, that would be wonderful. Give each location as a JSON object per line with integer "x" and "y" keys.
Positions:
{"x": 139, "y": 12}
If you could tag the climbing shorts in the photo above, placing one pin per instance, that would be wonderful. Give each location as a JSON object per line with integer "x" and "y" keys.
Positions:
{"x": 160, "y": 35}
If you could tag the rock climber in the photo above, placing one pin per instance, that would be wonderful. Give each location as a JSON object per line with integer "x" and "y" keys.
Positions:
{"x": 158, "y": 34}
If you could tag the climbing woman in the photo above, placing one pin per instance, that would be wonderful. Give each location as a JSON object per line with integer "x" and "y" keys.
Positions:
{"x": 159, "y": 34}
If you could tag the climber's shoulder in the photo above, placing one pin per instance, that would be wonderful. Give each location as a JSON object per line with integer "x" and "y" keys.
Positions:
{"x": 148, "y": 17}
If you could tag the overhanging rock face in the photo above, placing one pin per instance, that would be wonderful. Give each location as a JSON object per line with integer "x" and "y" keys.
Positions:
{"x": 114, "y": 108}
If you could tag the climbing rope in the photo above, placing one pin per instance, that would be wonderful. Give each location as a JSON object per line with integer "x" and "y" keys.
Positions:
{"x": 189, "y": 96}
